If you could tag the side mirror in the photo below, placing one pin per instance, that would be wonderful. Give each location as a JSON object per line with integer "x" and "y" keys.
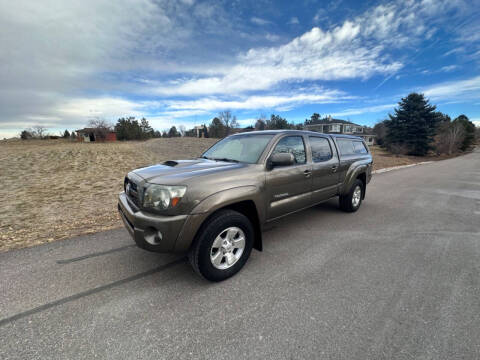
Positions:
{"x": 280, "y": 159}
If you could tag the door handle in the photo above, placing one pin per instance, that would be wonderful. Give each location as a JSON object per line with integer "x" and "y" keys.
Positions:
{"x": 307, "y": 173}
{"x": 334, "y": 168}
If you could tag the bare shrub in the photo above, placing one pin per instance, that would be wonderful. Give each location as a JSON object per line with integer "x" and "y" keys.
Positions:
{"x": 398, "y": 149}
{"x": 449, "y": 138}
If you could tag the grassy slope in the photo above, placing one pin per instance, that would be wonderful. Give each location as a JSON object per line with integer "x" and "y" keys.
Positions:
{"x": 56, "y": 189}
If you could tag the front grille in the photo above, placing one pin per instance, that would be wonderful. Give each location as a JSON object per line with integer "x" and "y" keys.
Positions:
{"x": 131, "y": 190}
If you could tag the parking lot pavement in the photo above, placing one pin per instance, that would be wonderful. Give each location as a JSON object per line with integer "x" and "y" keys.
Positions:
{"x": 399, "y": 279}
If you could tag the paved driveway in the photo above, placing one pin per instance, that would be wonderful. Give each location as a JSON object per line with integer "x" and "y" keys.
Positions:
{"x": 398, "y": 279}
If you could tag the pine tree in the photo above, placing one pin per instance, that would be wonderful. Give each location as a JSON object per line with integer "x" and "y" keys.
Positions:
{"x": 315, "y": 118}
{"x": 413, "y": 126}
{"x": 217, "y": 129}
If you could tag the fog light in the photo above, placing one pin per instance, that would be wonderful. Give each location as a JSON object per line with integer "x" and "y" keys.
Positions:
{"x": 152, "y": 236}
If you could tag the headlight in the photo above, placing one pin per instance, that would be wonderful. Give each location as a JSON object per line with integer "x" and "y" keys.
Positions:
{"x": 162, "y": 197}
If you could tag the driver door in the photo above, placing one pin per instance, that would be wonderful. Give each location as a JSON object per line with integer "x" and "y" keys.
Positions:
{"x": 289, "y": 187}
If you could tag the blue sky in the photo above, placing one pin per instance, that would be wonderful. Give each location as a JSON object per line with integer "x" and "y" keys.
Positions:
{"x": 181, "y": 62}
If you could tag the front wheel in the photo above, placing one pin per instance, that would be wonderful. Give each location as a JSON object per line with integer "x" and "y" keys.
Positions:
{"x": 222, "y": 246}
{"x": 351, "y": 202}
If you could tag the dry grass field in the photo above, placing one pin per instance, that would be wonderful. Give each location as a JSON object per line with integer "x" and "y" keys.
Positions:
{"x": 383, "y": 159}
{"x": 56, "y": 189}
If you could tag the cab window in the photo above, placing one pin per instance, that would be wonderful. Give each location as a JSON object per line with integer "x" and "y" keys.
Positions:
{"x": 359, "y": 147}
{"x": 293, "y": 145}
{"x": 345, "y": 146}
{"x": 321, "y": 150}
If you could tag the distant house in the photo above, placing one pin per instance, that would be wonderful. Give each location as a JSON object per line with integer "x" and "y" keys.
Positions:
{"x": 337, "y": 126}
{"x": 199, "y": 131}
{"x": 94, "y": 134}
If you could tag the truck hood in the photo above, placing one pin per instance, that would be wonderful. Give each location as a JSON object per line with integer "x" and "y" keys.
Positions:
{"x": 178, "y": 170}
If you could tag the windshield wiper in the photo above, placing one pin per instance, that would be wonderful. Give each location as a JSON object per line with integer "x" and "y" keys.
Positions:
{"x": 225, "y": 159}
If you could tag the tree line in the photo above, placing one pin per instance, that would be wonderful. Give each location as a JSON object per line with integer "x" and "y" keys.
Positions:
{"x": 417, "y": 128}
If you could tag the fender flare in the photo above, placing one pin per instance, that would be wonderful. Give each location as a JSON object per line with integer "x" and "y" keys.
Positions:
{"x": 352, "y": 173}
{"x": 229, "y": 198}
{"x": 224, "y": 198}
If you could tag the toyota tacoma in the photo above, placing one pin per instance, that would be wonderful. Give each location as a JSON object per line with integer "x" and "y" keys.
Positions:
{"x": 214, "y": 207}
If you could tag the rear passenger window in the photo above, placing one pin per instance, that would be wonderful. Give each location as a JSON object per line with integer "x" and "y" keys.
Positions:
{"x": 293, "y": 145}
{"x": 345, "y": 146}
{"x": 321, "y": 150}
{"x": 359, "y": 147}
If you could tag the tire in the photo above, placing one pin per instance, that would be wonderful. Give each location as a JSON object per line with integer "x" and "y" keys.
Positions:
{"x": 225, "y": 228}
{"x": 351, "y": 202}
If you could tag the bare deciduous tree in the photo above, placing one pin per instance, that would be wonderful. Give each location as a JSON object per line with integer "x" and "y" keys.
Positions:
{"x": 228, "y": 120}
{"x": 450, "y": 138}
{"x": 102, "y": 127}
{"x": 182, "y": 130}
{"x": 39, "y": 131}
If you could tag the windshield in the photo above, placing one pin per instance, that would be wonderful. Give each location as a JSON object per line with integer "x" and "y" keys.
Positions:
{"x": 243, "y": 148}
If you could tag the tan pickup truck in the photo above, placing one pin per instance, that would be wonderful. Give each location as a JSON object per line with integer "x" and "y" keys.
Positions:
{"x": 214, "y": 207}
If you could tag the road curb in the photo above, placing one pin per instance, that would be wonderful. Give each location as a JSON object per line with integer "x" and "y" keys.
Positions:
{"x": 384, "y": 170}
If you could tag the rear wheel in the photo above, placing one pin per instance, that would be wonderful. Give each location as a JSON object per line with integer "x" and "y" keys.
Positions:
{"x": 222, "y": 246}
{"x": 351, "y": 202}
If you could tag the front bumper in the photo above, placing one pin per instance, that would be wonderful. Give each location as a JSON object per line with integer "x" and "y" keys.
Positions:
{"x": 151, "y": 232}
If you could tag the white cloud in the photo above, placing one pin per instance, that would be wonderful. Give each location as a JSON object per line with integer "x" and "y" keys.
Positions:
{"x": 246, "y": 122}
{"x": 357, "y": 49}
{"x": 448, "y": 68}
{"x": 272, "y": 37}
{"x": 258, "y": 101}
{"x": 319, "y": 15}
{"x": 61, "y": 62}
{"x": 458, "y": 90}
{"x": 259, "y": 21}
{"x": 365, "y": 110}
{"x": 293, "y": 21}
{"x": 88, "y": 108}
{"x": 316, "y": 55}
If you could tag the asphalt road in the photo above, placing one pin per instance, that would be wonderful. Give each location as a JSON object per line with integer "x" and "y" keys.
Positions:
{"x": 399, "y": 279}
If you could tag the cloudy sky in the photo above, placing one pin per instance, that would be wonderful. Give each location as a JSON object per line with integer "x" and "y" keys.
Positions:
{"x": 181, "y": 62}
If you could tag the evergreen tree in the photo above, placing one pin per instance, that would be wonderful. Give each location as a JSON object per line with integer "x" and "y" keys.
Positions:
{"x": 413, "y": 126}
{"x": 66, "y": 134}
{"x": 315, "y": 118}
{"x": 277, "y": 122}
{"x": 173, "y": 132}
{"x": 129, "y": 129}
{"x": 260, "y": 124}
{"x": 217, "y": 129}
{"x": 25, "y": 135}
{"x": 147, "y": 131}
{"x": 205, "y": 131}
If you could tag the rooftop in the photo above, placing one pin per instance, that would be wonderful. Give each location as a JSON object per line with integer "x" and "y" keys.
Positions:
{"x": 327, "y": 121}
